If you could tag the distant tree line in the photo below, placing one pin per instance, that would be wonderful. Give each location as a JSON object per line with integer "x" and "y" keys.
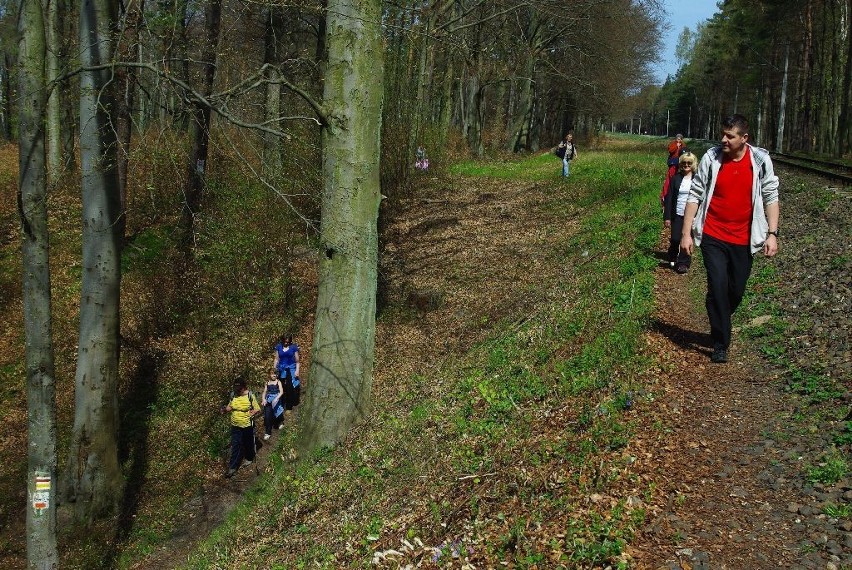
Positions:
{"x": 787, "y": 65}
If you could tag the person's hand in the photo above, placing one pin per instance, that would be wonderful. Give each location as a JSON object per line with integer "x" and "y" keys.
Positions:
{"x": 263, "y": 403}
{"x": 668, "y": 223}
{"x": 686, "y": 243}
{"x": 770, "y": 246}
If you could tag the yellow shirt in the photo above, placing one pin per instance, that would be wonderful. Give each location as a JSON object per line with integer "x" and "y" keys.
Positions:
{"x": 240, "y": 408}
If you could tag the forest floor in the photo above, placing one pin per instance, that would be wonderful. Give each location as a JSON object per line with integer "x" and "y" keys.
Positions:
{"x": 750, "y": 465}
{"x": 748, "y": 462}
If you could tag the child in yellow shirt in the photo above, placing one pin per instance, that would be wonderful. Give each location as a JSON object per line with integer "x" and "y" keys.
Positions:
{"x": 242, "y": 407}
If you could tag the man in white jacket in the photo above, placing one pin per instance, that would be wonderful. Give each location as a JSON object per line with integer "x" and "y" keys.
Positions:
{"x": 732, "y": 211}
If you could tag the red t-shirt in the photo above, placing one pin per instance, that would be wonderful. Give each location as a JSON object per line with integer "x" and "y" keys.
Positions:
{"x": 729, "y": 215}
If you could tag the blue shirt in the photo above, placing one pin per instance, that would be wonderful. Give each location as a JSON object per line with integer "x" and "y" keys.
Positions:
{"x": 287, "y": 359}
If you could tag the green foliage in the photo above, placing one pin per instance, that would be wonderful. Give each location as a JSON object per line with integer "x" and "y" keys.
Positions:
{"x": 832, "y": 469}
{"x": 539, "y": 167}
{"x": 841, "y": 511}
{"x": 817, "y": 387}
{"x": 844, "y": 436}
{"x": 146, "y": 251}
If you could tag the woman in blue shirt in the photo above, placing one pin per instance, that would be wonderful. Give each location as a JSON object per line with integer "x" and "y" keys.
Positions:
{"x": 287, "y": 365}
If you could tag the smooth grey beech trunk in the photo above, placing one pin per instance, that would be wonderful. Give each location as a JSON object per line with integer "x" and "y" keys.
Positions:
{"x": 200, "y": 122}
{"x": 272, "y": 107}
{"x": 32, "y": 202}
{"x": 52, "y": 60}
{"x": 345, "y": 325}
{"x": 93, "y": 477}
{"x": 520, "y": 123}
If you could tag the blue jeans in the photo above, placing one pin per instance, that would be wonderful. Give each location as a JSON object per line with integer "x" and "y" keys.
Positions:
{"x": 566, "y": 167}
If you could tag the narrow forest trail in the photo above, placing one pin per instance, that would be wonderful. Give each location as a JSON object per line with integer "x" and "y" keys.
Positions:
{"x": 732, "y": 458}
{"x": 717, "y": 444}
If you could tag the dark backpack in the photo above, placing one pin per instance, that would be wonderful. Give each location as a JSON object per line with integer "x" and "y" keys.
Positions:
{"x": 560, "y": 151}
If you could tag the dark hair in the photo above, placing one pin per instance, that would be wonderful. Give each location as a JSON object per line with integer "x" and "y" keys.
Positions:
{"x": 239, "y": 385}
{"x": 286, "y": 339}
{"x": 736, "y": 121}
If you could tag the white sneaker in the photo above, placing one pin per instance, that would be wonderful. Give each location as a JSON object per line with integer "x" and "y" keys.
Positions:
{"x": 266, "y": 437}
{"x": 246, "y": 462}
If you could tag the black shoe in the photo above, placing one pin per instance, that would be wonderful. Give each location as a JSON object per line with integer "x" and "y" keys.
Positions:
{"x": 681, "y": 268}
{"x": 719, "y": 356}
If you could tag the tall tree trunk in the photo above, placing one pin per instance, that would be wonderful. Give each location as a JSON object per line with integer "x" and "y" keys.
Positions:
{"x": 69, "y": 103}
{"x": 200, "y": 123}
{"x": 779, "y": 139}
{"x": 52, "y": 61}
{"x": 415, "y": 137}
{"x": 446, "y": 115}
{"x": 32, "y": 204}
{"x": 473, "y": 110}
{"x": 5, "y": 99}
{"x": 807, "y": 78}
{"x": 272, "y": 108}
{"x": 521, "y": 120}
{"x": 94, "y": 480}
{"x": 345, "y": 326}
{"x": 125, "y": 94}
{"x": 844, "y": 124}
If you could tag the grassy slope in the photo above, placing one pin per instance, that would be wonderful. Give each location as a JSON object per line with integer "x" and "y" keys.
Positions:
{"x": 538, "y": 411}
{"x": 516, "y": 450}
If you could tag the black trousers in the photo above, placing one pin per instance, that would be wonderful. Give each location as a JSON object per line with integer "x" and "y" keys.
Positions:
{"x": 728, "y": 268}
{"x": 675, "y": 254}
{"x": 242, "y": 445}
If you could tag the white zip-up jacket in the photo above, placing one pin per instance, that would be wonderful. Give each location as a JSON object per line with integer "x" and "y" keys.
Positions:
{"x": 764, "y": 191}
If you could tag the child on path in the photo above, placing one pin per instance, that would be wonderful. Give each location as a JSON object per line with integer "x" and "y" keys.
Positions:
{"x": 273, "y": 411}
{"x": 421, "y": 161}
{"x": 243, "y": 406}
{"x": 673, "y": 208}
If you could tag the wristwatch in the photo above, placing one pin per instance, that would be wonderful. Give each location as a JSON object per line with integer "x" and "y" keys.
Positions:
{"x": 772, "y": 233}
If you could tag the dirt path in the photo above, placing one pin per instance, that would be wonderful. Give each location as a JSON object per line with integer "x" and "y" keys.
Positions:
{"x": 728, "y": 472}
{"x": 728, "y": 468}
{"x": 209, "y": 508}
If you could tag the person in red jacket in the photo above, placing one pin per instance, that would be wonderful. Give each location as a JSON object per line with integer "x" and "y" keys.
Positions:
{"x": 676, "y": 148}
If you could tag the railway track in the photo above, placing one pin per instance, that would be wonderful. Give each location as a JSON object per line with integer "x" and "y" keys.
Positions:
{"x": 827, "y": 168}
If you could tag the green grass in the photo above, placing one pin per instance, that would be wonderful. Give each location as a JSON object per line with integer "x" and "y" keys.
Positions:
{"x": 841, "y": 511}
{"x": 579, "y": 352}
{"x": 539, "y": 167}
{"x": 832, "y": 469}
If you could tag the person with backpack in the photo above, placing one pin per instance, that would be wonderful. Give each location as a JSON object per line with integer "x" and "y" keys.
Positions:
{"x": 287, "y": 364}
{"x": 732, "y": 212}
{"x": 273, "y": 410}
{"x": 567, "y": 151}
{"x": 243, "y": 407}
